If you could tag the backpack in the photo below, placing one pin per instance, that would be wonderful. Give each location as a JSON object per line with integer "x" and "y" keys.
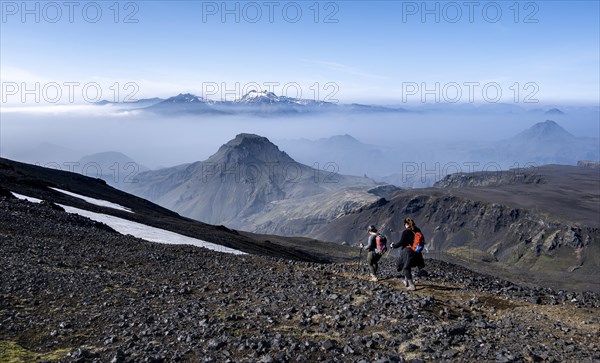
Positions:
{"x": 419, "y": 242}
{"x": 381, "y": 241}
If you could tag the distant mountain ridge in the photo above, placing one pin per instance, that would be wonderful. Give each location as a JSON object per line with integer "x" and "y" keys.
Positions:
{"x": 184, "y": 98}
{"x": 253, "y": 102}
{"x": 409, "y": 165}
{"x": 141, "y": 102}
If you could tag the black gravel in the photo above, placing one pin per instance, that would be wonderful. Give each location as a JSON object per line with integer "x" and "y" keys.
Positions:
{"x": 76, "y": 289}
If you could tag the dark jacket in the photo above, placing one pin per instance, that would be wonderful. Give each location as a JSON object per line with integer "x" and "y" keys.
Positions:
{"x": 408, "y": 258}
{"x": 407, "y": 238}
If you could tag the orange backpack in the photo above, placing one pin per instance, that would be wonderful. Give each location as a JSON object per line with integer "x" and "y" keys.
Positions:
{"x": 419, "y": 242}
{"x": 381, "y": 243}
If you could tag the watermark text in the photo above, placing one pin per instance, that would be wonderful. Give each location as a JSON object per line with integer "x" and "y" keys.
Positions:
{"x": 67, "y": 92}
{"x": 470, "y": 11}
{"x": 269, "y": 11}
{"x": 469, "y": 92}
{"x": 69, "y": 11}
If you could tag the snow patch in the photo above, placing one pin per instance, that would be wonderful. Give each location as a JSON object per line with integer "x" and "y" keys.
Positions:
{"x": 98, "y": 202}
{"x": 139, "y": 230}
{"x": 31, "y": 199}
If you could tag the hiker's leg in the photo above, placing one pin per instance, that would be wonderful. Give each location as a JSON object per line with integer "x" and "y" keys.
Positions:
{"x": 420, "y": 262}
{"x": 401, "y": 261}
{"x": 370, "y": 262}
{"x": 376, "y": 259}
{"x": 406, "y": 263}
{"x": 408, "y": 281}
{"x": 407, "y": 273}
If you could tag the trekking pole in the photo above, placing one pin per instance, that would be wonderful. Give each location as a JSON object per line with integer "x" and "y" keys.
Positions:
{"x": 387, "y": 253}
{"x": 359, "y": 255}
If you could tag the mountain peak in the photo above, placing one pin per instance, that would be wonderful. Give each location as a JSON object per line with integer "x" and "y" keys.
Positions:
{"x": 184, "y": 98}
{"x": 245, "y": 138}
{"x": 344, "y": 138}
{"x": 251, "y": 148}
{"x": 554, "y": 111}
{"x": 545, "y": 130}
{"x": 254, "y": 96}
{"x": 255, "y": 93}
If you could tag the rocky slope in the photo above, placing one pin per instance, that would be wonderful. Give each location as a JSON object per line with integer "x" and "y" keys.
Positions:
{"x": 74, "y": 291}
{"x": 535, "y": 225}
{"x": 37, "y": 182}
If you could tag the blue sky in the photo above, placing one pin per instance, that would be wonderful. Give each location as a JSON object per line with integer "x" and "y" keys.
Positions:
{"x": 351, "y": 51}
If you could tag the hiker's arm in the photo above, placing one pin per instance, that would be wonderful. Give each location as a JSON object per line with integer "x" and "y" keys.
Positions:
{"x": 405, "y": 239}
{"x": 371, "y": 244}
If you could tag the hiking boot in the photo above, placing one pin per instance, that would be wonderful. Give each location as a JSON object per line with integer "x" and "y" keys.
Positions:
{"x": 374, "y": 278}
{"x": 405, "y": 282}
{"x": 410, "y": 285}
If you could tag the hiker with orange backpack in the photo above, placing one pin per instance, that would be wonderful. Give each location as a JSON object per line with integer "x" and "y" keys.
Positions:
{"x": 377, "y": 246}
{"x": 411, "y": 244}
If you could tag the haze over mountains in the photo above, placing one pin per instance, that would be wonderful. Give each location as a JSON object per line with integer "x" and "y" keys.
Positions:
{"x": 411, "y": 160}
{"x": 113, "y": 167}
{"x": 410, "y": 163}
{"x": 186, "y": 128}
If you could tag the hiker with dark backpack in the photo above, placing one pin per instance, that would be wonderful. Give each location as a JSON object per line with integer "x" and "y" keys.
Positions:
{"x": 377, "y": 246}
{"x": 411, "y": 243}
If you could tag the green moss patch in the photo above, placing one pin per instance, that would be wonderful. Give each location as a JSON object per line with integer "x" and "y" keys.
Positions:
{"x": 12, "y": 352}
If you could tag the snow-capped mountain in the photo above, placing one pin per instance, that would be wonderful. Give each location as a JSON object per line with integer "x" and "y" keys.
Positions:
{"x": 266, "y": 97}
{"x": 259, "y": 97}
{"x": 258, "y": 103}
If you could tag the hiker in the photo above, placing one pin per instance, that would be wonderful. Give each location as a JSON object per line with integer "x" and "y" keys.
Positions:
{"x": 408, "y": 257}
{"x": 377, "y": 245}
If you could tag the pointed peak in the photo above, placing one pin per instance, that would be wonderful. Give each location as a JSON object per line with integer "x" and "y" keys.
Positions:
{"x": 547, "y": 125}
{"x": 548, "y": 129}
{"x": 554, "y": 111}
{"x": 345, "y": 137}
